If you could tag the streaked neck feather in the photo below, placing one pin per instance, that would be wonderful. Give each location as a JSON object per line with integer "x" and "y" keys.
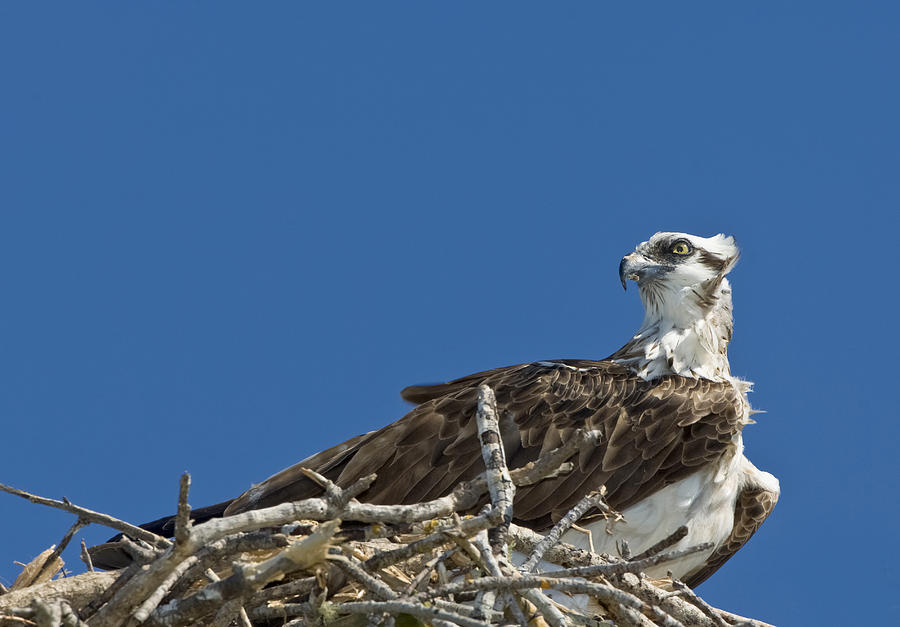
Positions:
{"x": 685, "y": 332}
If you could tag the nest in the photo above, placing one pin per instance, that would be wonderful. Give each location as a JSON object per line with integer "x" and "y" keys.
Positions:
{"x": 339, "y": 562}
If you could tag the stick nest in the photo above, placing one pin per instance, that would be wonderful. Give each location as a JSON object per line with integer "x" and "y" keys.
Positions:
{"x": 336, "y": 561}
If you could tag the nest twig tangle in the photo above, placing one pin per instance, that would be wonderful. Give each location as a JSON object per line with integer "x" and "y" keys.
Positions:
{"x": 339, "y": 562}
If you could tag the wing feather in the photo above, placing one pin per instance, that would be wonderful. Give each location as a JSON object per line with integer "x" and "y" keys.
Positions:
{"x": 754, "y": 504}
{"x": 653, "y": 433}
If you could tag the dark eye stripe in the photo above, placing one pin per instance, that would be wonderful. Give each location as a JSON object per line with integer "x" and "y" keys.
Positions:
{"x": 711, "y": 261}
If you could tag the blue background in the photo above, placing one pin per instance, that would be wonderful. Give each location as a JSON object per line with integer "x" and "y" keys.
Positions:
{"x": 231, "y": 233}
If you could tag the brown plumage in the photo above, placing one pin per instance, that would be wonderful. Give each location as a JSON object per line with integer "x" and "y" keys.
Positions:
{"x": 667, "y": 413}
{"x": 652, "y": 433}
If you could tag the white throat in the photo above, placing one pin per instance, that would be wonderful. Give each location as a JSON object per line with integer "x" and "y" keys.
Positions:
{"x": 685, "y": 332}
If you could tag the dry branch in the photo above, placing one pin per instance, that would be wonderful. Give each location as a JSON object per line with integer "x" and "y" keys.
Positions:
{"x": 592, "y": 500}
{"x": 78, "y": 591}
{"x": 91, "y": 516}
{"x": 500, "y": 484}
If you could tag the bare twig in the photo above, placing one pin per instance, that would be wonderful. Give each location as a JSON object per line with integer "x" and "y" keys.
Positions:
{"x": 78, "y": 524}
{"x": 553, "y": 463}
{"x": 86, "y": 557}
{"x": 466, "y": 527}
{"x": 561, "y": 553}
{"x": 381, "y": 590}
{"x": 707, "y": 609}
{"x": 636, "y": 566}
{"x": 663, "y": 544}
{"x": 339, "y": 497}
{"x": 155, "y": 597}
{"x": 515, "y": 609}
{"x": 425, "y": 573}
{"x": 230, "y": 612}
{"x": 406, "y": 607}
{"x": 183, "y": 513}
{"x": 483, "y": 553}
{"x": 294, "y": 588}
{"x": 592, "y": 500}
{"x": 672, "y": 605}
{"x": 91, "y": 516}
{"x": 282, "y": 611}
{"x": 18, "y": 620}
{"x": 230, "y": 609}
{"x": 735, "y": 619}
{"x": 548, "y": 610}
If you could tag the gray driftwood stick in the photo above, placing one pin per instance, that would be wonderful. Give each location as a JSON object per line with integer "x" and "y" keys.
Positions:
{"x": 500, "y": 484}
{"x": 78, "y": 590}
{"x": 563, "y": 525}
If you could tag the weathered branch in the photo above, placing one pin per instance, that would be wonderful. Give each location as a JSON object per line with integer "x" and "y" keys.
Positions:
{"x": 592, "y": 500}
{"x": 91, "y": 516}
{"x": 705, "y": 607}
{"x": 78, "y": 591}
{"x": 500, "y": 484}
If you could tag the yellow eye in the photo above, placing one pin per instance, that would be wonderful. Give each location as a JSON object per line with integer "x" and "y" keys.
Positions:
{"x": 681, "y": 248}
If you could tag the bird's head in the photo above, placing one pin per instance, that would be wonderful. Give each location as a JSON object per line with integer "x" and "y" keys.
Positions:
{"x": 672, "y": 266}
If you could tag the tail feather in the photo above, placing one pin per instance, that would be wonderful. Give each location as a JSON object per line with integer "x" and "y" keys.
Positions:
{"x": 111, "y": 555}
{"x": 165, "y": 526}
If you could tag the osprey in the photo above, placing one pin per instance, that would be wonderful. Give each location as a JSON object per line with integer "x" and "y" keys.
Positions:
{"x": 665, "y": 408}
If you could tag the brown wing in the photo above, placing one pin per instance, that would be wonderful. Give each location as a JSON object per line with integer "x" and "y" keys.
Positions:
{"x": 419, "y": 394}
{"x": 753, "y": 506}
{"x": 652, "y": 433}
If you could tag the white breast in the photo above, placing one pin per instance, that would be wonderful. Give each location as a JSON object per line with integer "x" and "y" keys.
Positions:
{"x": 703, "y": 502}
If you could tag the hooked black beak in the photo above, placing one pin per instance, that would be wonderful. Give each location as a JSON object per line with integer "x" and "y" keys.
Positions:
{"x": 628, "y": 269}
{"x": 635, "y": 267}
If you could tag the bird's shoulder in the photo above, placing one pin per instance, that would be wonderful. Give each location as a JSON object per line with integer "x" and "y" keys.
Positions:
{"x": 517, "y": 375}
{"x": 561, "y": 385}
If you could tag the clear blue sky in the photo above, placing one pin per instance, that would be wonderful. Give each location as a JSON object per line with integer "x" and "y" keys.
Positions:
{"x": 231, "y": 233}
